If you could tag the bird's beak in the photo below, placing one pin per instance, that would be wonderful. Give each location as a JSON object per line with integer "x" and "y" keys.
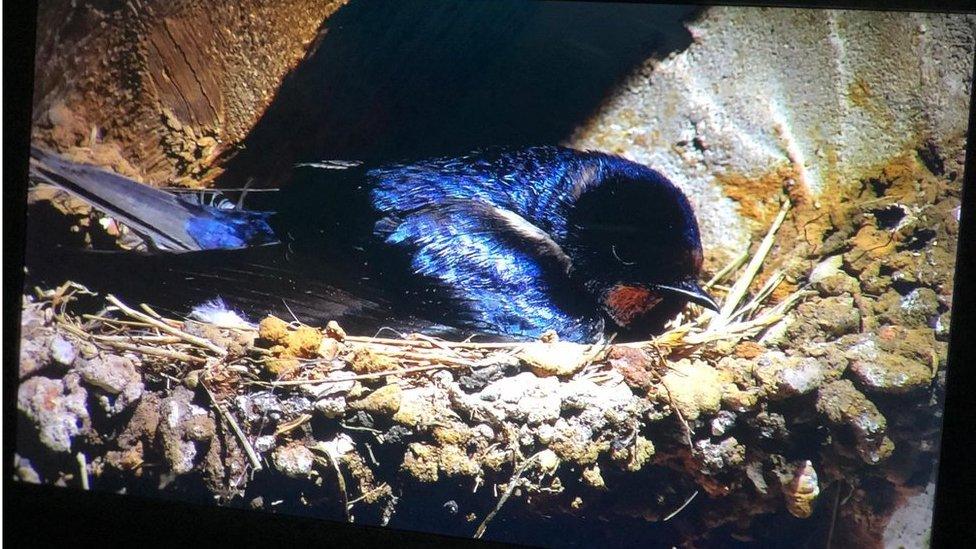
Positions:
{"x": 691, "y": 291}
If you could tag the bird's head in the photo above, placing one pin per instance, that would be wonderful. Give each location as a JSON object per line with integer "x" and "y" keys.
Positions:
{"x": 635, "y": 246}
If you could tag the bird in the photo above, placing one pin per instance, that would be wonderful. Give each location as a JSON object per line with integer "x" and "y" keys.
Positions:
{"x": 506, "y": 243}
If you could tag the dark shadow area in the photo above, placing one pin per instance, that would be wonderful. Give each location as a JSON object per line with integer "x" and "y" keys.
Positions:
{"x": 400, "y": 79}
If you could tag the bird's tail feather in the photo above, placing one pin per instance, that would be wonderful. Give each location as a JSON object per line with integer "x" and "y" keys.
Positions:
{"x": 255, "y": 281}
{"x": 163, "y": 219}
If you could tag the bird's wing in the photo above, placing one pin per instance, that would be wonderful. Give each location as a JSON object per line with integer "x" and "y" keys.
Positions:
{"x": 510, "y": 276}
{"x": 255, "y": 281}
{"x": 164, "y": 220}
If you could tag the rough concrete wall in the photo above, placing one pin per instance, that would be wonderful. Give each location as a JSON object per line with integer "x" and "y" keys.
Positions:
{"x": 159, "y": 89}
{"x": 770, "y": 100}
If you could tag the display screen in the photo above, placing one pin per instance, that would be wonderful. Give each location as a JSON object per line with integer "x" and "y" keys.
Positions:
{"x": 546, "y": 273}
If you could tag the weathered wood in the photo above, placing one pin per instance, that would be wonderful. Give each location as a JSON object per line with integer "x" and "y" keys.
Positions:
{"x": 160, "y": 90}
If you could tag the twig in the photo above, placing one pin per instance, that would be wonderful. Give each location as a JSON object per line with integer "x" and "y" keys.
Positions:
{"x": 166, "y": 327}
{"x": 259, "y": 350}
{"x": 358, "y": 428}
{"x": 833, "y": 517}
{"x": 151, "y": 312}
{"x": 731, "y": 266}
{"x": 771, "y": 284}
{"x": 83, "y": 466}
{"x": 116, "y": 321}
{"x": 285, "y": 303}
{"x": 157, "y": 339}
{"x": 341, "y": 480}
{"x": 740, "y": 329}
{"x": 672, "y": 514}
{"x": 741, "y": 285}
{"x": 372, "y": 457}
{"x": 388, "y": 341}
{"x": 165, "y": 353}
{"x": 508, "y": 492}
{"x": 436, "y": 343}
{"x": 248, "y": 449}
{"x": 423, "y": 342}
{"x": 120, "y": 342}
{"x": 409, "y": 355}
{"x": 681, "y": 418}
{"x": 381, "y": 488}
{"x": 374, "y": 375}
{"x": 493, "y": 345}
{"x": 293, "y": 424}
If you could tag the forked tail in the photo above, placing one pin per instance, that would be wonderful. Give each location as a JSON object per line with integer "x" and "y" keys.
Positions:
{"x": 166, "y": 221}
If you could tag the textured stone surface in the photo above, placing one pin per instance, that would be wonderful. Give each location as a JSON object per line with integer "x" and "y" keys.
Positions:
{"x": 57, "y": 408}
{"x": 693, "y": 388}
{"x": 116, "y": 377}
{"x": 781, "y": 376}
{"x": 294, "y": 460}
{"x": 817, "y": 96}
{"x": 183, "y": 425}
{"x": 846, "y": 408}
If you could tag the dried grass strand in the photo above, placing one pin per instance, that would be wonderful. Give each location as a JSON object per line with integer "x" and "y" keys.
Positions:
{"x": 199, "y": 341}
{"x": 741, "y": 285}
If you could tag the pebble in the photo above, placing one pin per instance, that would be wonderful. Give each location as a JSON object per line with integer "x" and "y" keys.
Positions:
{"x": 63, "y": 351}
{"x": 293, "y": 460}
{"x": 56, "y": 407}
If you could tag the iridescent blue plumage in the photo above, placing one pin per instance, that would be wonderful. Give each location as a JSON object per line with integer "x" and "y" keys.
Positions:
{"x": 521, "y": 240}
{"x": 538, "y": 183}
{"x": 508, "y": 284}
{"x": 221, "y": 229}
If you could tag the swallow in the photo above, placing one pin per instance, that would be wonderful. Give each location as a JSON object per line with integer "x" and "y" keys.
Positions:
{"x": 502, "y": 242}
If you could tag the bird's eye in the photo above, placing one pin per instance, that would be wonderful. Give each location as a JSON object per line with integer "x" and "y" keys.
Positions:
{"x": 613, "y": 250}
